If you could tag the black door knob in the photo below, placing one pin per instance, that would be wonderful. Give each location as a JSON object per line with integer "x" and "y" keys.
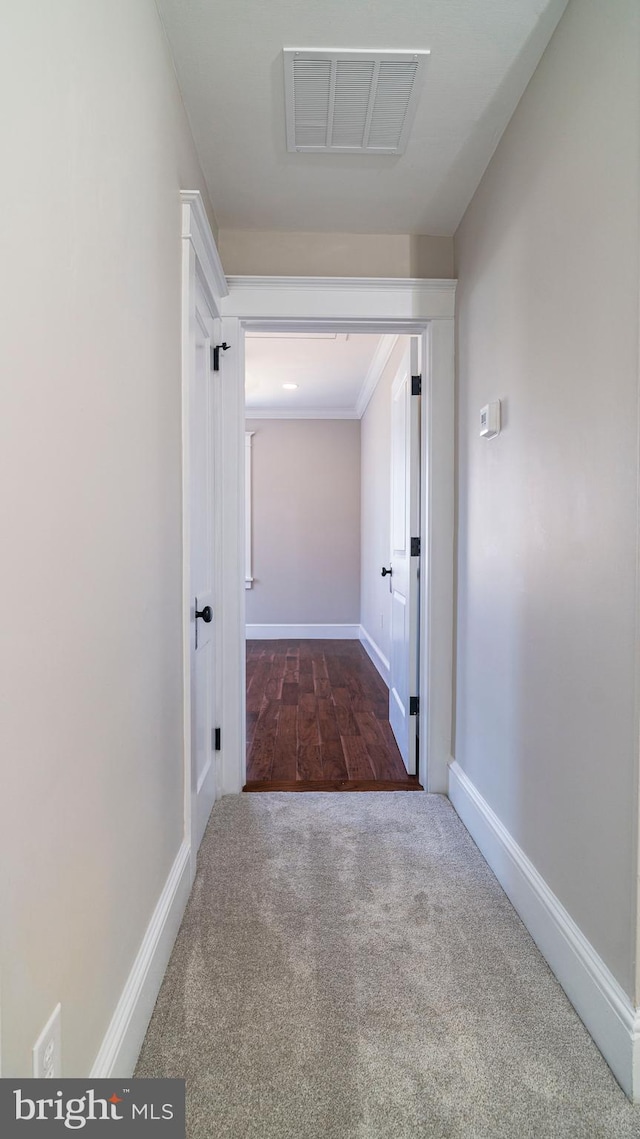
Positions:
{"x": 206, "y": 614}
{"x": 386, "y": 571}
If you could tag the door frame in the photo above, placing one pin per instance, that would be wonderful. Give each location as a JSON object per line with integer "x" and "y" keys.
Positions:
{"x": 374, "y": 305}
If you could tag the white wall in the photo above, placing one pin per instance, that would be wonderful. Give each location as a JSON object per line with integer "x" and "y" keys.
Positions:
{"x": 547, "y": 259}
{"x": 306, "y": 522}
{"x": 272, "y": 253}
{"x": 95, "y": 150}
{"x": 375, "y": 445}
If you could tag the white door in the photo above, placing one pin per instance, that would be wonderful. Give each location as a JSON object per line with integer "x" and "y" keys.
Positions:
{"x": 203, "y": 610}
{"x": 403, "y": 580}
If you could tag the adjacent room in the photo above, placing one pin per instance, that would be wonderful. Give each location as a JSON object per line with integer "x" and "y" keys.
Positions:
{"x": 319, "y": 598}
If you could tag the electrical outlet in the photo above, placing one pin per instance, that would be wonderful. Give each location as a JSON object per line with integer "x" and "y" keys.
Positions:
{"x": 47, "y": 1050}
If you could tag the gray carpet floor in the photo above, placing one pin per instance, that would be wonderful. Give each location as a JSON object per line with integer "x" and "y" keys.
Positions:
{"x": 349, "y": 968}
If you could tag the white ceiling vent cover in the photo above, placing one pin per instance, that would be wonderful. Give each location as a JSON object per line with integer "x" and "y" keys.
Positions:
{"x": 351, "y": 102}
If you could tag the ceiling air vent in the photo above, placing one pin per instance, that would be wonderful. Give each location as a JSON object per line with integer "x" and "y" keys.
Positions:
{"x": 351, "y": 102}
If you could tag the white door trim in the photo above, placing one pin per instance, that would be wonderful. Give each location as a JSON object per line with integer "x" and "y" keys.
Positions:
{"x": 437, "y": 506}
{"x": 354, "y": 299}
{"x": 389, "y": 306}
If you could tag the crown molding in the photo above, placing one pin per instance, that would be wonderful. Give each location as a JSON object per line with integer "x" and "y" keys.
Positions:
{"x": 375, "y": 370}
{"x": 302, "y": 413}
{"x": 399, "y": 284}
{"x": 197, "y": 229}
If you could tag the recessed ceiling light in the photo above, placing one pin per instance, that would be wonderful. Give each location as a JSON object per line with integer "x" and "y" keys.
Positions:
{"x": 290, "y": 387}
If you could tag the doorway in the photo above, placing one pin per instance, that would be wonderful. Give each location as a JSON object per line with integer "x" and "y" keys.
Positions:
{"x": 387, "y": 307}
{"x": 330, "y": 435}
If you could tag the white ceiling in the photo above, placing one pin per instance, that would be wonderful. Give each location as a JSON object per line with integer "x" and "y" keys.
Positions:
{"x": 228, "y": 57}
{"x": 335, "y": 373}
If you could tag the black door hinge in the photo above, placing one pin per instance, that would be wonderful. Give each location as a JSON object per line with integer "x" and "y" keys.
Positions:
{"x": 416, "y": 385}
{"x": 414, "y": 705}
{"x": 216, "y": 739}
{"x": 215, "y": 355}
{"x": 415, "y": 547}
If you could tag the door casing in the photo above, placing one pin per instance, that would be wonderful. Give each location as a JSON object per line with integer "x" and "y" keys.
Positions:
{"x": 381, "y": 306}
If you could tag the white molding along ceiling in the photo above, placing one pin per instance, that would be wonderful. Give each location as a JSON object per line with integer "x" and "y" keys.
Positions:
{"x": 481, "y": 58}
{"x": 302, "y": 413}
{"x": 349, "y": 284}
{"x": 377, "y": 366}
{"x": 312, "y": 374}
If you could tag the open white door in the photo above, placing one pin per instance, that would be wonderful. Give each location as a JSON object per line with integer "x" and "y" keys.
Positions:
{"x": 201, "y": 530}
{"x": 403, "y": 580}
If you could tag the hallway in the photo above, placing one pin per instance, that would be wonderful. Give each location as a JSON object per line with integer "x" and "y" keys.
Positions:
{"x": 317, "y": 720}
{"x": 178, "y": 477}
{"x": 349, "y": 968}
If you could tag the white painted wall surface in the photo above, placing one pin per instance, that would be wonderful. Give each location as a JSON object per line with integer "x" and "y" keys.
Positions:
{"x": 306, "y": 522}
{"x": 375, "y": 445}
{"x": 273, "y": 253}
{"x": 95, "y": 150}
{"x": 547, "y": 260}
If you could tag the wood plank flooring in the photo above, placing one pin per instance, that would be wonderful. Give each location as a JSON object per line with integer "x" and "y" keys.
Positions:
{"x": 317, "y": 720}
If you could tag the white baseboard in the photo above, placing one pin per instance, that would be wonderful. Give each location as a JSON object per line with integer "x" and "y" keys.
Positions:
{"x": 599, "y": 1000}
{"x": 303, "y": 632}
{"x": 123, "y": 1040}
{"x": 375, "y": 653}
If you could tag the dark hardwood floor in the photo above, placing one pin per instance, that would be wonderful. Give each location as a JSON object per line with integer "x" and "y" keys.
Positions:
{"x": 317, "y": 720}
